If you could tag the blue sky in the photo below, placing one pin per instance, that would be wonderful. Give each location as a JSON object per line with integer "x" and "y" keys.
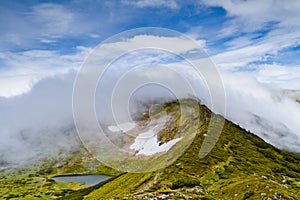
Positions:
{"x": 39, "y": 38}
{"x": 255, "y": 45}
{"x": 63, "y": 25}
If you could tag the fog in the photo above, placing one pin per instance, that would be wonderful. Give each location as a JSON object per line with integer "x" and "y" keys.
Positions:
{"x": 263, "y": 109}
{"x": 40, "y": 122}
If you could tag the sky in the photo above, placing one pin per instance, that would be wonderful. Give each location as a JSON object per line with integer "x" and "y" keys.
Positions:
{"x": 255, "y": 45}
{"x": 42, "y": 38}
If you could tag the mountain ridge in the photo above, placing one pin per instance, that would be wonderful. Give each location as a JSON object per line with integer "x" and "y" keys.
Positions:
{"x": 239, "y": 166}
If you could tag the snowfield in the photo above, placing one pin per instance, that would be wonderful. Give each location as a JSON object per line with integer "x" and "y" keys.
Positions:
{"x": 146, "y": 143}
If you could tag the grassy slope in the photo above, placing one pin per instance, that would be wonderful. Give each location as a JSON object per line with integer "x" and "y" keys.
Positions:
{"x": 33, "y": 181}
{"x": 240, "y": 166}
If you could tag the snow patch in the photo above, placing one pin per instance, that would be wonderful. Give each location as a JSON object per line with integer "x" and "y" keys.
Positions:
{"x": 122, "y": 127}
{"x": 147, "y": 144}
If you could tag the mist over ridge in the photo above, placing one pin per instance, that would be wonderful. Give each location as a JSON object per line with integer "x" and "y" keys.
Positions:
{"x": 254, "y": 46}
{"x": 39, "y": 123}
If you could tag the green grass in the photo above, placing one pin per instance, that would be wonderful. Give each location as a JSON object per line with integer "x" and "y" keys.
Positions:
{"x": 34, "y": 181}
{"x": 121, "y": 186}
{"x": 240, "y": 166}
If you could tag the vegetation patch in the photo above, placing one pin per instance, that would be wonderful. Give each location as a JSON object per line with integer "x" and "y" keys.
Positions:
{"x": 240, "y": 166}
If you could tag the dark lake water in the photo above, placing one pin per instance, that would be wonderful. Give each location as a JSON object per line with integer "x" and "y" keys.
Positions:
{"x": 87, "y": 180}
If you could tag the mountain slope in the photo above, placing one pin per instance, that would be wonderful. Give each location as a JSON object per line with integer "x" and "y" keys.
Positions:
{"x": 240, "y": 166}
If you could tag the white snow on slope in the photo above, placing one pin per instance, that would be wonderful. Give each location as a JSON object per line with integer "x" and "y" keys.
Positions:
{"x": 147, "y": 144}
{"x": 122, "y": 127}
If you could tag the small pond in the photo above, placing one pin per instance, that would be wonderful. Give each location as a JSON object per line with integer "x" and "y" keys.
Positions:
{"x": 87, "y": 180}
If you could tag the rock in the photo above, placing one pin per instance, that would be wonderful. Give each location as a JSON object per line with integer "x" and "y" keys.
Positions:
{"x": 263, "y": 194}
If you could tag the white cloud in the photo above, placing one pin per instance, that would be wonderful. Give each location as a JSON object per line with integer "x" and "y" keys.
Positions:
{"x": 38, "y": 24}
{"x": 255, "y": 32}
{"x": 258, "y": 28}
{"x": 39, "y": 123}
{"x": 172, "y": 4}
{"x": 47, "y": 41}
{"x": 254, "y": 14}
{"x": 239, "y": 42}
{"x": 287, "y": 78}
{"x": 243, "y": 51}
{"x": 263, "y": 109}
{"x": 24, "y": 69}
{"x": 177, "y": 44}
{"x": 94, "y": 35}
{"x": 55, "y": 19}
{"x": 251, "y": 98}
{"x": 15, "y": 85}
{"x": 243, "y": 56}
{"x": 44, "y": 23}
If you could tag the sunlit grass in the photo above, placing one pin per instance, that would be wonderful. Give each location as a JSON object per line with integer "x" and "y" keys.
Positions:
{"x": 240, "y": 166}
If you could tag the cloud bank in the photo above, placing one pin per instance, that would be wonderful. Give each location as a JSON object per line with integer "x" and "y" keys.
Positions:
{"x": 254, "y": 44}
{"x": 39, "y": 122}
